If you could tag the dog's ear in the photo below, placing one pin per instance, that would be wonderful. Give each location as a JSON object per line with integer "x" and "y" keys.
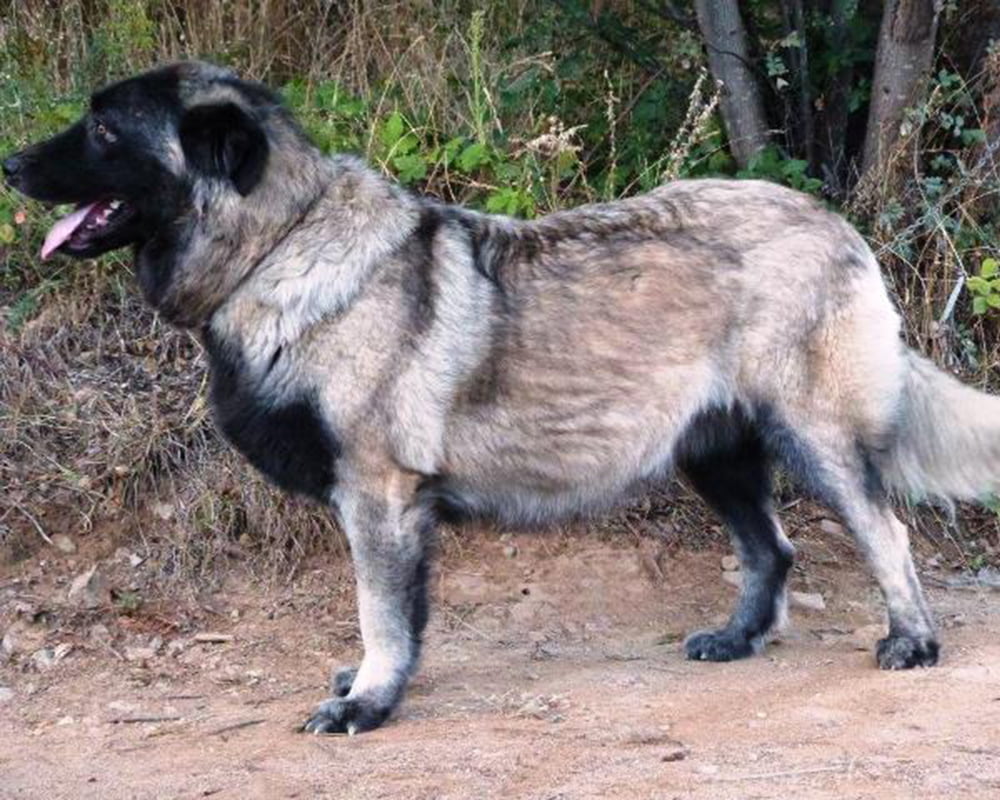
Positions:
{"x": 222, "y": 140}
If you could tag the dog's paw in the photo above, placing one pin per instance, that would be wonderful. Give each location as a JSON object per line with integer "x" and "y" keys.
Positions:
{"x": 342, "y": 680}
{"x": 343, "y": 715}
{"x": 906, "y": 652}
{"x": 718, "y": 645}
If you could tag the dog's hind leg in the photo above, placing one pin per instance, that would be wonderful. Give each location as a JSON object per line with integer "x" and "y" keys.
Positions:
{"x": 912, "y": 641}
{"x": 388, "y": 530}
{"x": 836, "y": 467}
{"x": 734, "y": 478}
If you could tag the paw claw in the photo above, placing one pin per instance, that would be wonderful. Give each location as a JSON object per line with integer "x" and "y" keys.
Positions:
{"x": 906, "y": 652}
{"x": 718, "y": 645}
{"x": 340, "y": 715}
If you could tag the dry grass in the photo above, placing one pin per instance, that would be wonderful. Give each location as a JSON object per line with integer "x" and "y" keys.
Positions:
{"x": 104, "y": 426}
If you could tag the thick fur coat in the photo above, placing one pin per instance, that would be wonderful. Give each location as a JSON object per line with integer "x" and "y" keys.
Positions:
{"x": 398, "y": 359}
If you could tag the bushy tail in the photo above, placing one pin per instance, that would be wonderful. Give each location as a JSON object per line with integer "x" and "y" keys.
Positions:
{"x": 948, "y": 444}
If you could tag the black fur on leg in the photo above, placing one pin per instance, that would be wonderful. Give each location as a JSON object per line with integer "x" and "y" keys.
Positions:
{"x": 342, "y": 680}
{"x": 727, "y": 463}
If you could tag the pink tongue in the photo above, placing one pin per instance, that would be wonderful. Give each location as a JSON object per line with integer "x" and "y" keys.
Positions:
{"x": 63, "y": 229}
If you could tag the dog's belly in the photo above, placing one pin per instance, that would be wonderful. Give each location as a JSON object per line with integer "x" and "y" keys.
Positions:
{"x": 572, "y": 447}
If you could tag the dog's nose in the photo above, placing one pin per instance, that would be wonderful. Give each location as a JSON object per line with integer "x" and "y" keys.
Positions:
{"x": 11, "y": 166}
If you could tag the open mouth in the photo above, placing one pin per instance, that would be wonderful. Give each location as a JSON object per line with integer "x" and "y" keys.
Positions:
{"x": 84, "y": 228}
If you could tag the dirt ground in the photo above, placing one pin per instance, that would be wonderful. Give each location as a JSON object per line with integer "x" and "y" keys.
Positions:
{"x": 553, "y": 669}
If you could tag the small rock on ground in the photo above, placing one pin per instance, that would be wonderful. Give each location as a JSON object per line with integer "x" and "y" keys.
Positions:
{"x": 734, "y": 578}
{"x": 64, "y": 544}
{"x": 809, "y": 600}
{"x": 87, "y": 589}
{"x": 730, "y": 563}
{"x": 674, "y": 754}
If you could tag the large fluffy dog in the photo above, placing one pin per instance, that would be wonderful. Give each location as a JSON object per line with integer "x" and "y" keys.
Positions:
{"x": 398, "y": 359}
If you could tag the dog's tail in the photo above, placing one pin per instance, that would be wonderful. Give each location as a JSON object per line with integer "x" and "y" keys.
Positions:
{"x": 947, "y": 445}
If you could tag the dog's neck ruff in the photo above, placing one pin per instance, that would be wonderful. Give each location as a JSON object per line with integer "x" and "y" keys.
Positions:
{"x": 321, "y": 263}
{"x": 319, "y": 267}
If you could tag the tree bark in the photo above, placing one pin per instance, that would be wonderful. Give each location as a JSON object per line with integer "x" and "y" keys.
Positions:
{"x": 902, "y": 64}
{"x": 729, "y": 59}
{"x": 832, "y": 118}
{"x": 803, "y": 127}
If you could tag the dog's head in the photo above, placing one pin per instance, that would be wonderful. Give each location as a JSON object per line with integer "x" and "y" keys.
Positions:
{"x": 154, "y": 163}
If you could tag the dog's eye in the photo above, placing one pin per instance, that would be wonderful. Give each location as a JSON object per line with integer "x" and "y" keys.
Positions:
{"x": 104, "y": 132}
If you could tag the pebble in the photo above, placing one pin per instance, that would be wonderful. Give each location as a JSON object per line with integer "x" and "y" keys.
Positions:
{"x": 61, "y": 651}
{"x": 175, "y": 647}
{"x": 87, "y": 589}
{"x": 212, "y": 638}
{"x": 99, "y": 633}
{"x": 812, "y": 601}
{"x": 733, "y": 578}
{"x": 8, "y": 645}
{"x": 730, "y": 563}
{"x": 21, "y": 637}
{"x": 140, "y": 654}
{"x": 44, "y": 658}
{"x": 510, "y": 551}
{"x": 831, "y": 526}
{"x": 64, "y": 544}
{"x": 164, "y": 511}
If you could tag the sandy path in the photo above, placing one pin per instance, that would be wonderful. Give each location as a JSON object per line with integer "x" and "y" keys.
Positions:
{"x": 575, "y": 689}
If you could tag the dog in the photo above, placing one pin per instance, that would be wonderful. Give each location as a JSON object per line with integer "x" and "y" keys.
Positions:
{"x": 404, "y": 361}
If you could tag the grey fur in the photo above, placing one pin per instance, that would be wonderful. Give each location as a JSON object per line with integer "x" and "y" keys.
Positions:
{"x": 534, "y": 370}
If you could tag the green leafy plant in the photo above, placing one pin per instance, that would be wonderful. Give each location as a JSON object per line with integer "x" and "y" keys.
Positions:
{"x": 769, "y": 164}
{"x": 985, "y": 287}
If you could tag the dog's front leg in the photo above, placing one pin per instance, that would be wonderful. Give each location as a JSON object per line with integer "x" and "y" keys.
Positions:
{"x": 388, "y": 529}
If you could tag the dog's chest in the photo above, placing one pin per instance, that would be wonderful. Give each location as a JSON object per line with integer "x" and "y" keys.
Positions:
{"x": 281, "y": 433}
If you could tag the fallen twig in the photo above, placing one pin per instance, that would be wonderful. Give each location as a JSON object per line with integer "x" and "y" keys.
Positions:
{"x": 790, "y": 773}
{"x": 35, "y": 522}
{"x": 145, "y": 718}
{"x": 236, "y": 726}
{"x": 213, "y": 638}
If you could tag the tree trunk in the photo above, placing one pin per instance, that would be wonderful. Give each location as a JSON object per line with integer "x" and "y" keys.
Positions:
{"x": 729, "y": 59}
{"x": 902, "y": 64}
{"x": 833, "y": 116}
{"x": 802, "y": 129}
